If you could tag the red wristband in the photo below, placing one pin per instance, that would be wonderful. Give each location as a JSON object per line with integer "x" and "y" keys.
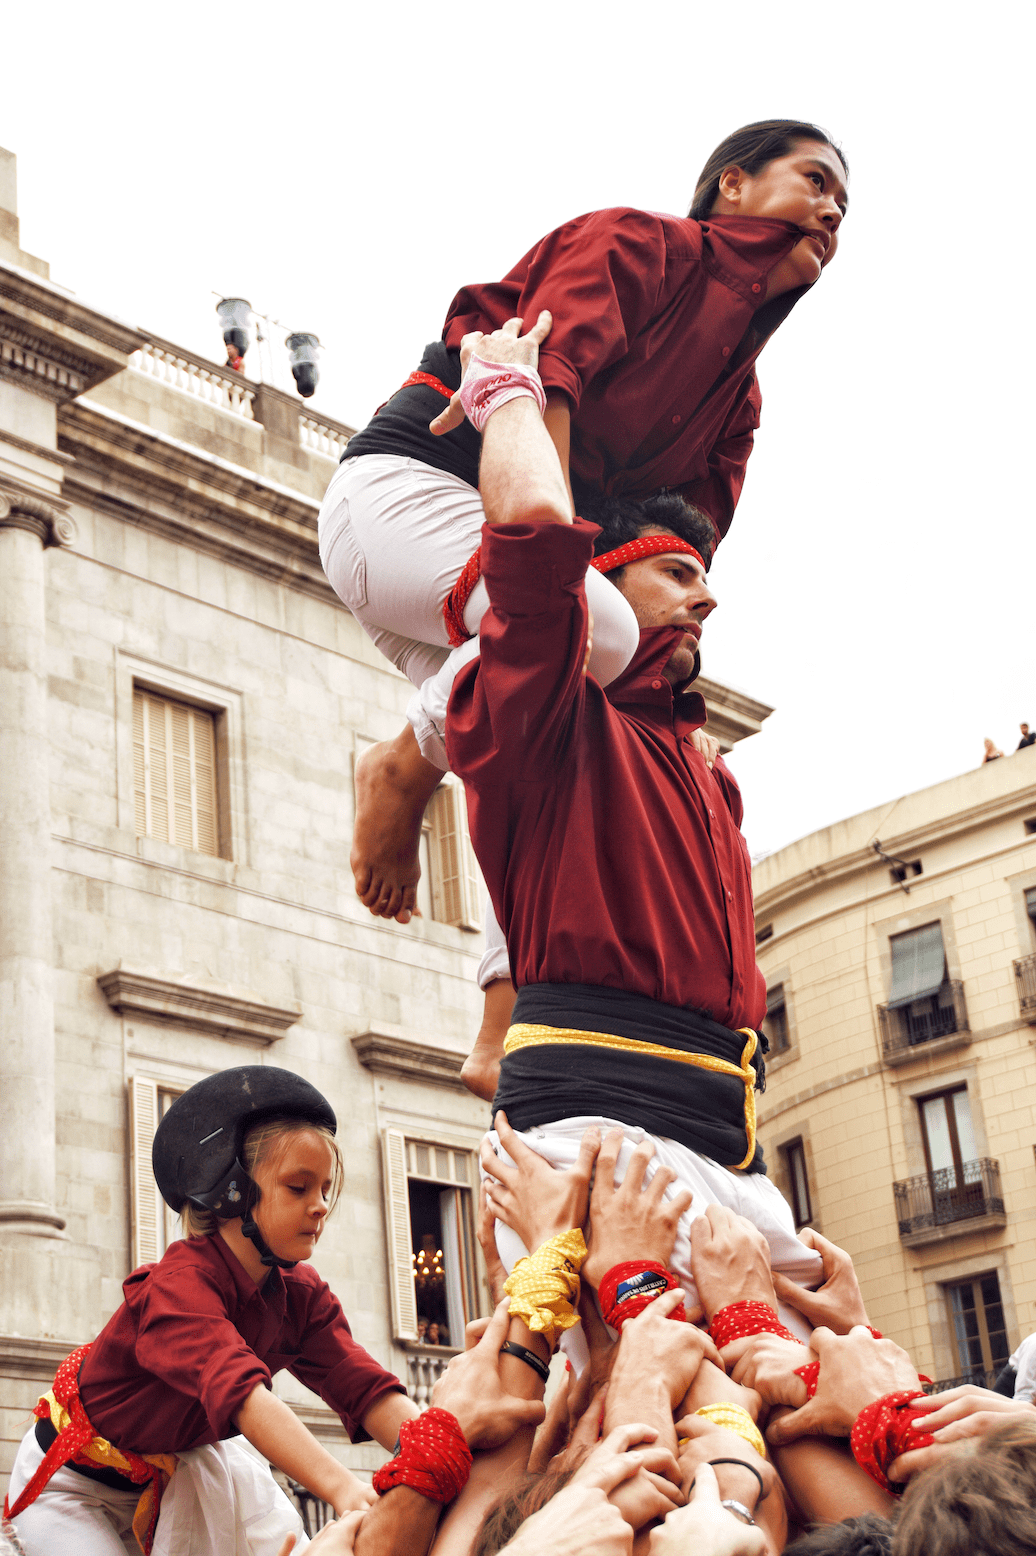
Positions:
{"x": 882, "y": 1432}
{"x": 433, "y": 1458}
{"x": 746, "y": 1318}
{"x": 629, "y": 1288}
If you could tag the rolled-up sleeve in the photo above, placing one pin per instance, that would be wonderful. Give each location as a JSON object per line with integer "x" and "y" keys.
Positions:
{"x": 600, "y": 276}
{"x": 337, "y": 1367}
{"x": 513, "y": 708}
{"x": 185, "y": 1338}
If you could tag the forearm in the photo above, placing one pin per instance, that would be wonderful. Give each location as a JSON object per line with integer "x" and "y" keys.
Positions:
{"x": 645, "y": 1399}
{"x": 401, "y": 1520}
{"x": 825, "y": 1482}
{"x": 481, "y": 1068}
{"x": 520, "y": 476}
{"x": 383, "y": 1419}
{"x": 557, "y": 419}
{"x": 275, "y": 1430}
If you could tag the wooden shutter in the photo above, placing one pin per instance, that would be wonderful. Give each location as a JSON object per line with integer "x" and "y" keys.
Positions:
{"x": 174, "y": 772}
{"x": 144, "y": 1197}
{"x": 400, "y": 1240}
{"x": 456, "y": 873}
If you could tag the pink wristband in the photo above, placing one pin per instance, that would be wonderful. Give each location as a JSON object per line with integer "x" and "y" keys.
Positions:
{"x": 488, "y": 385}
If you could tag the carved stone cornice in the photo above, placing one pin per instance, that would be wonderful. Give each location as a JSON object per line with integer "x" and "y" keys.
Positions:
{"x": 53, "y": 345}
{"x": 22, "y": 1357}
{"x": 21, "y": 510}
{"x": 408, "y": 1059}
{"x": 206, "y": 1009}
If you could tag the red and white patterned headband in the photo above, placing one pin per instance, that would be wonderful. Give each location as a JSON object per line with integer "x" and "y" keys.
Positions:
{"x": 647, "y": 545}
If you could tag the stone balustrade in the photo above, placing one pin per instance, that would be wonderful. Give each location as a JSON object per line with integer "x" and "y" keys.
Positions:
{"x": 425, "y": 1365}
{"x": 323, "y": 437}
{"x": 193, "y": 375}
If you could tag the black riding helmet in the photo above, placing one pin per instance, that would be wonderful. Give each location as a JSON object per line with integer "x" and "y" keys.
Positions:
{"x": 197, "y": 1151}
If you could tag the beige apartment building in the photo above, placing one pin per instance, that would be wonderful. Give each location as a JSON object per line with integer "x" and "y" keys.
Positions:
{"x": 899, "y": 948}
{"x": 181, "y": 700}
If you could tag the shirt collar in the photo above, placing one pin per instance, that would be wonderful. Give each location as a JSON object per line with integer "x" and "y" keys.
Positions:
{"x": 271, "y": 1292}
{"x": 741, "y": 251}
{"x": 642, "y": 682}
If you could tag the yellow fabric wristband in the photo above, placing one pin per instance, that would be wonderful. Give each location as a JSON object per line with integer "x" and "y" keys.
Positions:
{"x": 736, "y": 1419}
{"x": 544, "y": 1287}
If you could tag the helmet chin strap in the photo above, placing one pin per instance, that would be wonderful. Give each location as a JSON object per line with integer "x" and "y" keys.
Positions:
{"x": 266, "y": 1253}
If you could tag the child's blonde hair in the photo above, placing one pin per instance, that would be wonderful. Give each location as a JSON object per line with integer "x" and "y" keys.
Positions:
{"x": 264, "y": 1143}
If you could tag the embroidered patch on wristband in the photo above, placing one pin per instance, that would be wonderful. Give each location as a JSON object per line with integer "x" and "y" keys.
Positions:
{"x": 648, "y": 1284}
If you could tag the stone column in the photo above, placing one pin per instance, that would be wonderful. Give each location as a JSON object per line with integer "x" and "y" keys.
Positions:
{"x": 27, "y": 525}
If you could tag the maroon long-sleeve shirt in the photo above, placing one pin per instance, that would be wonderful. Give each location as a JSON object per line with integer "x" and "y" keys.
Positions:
{"x": 611, "y": 852}
{"x": 658, "y": 321}
{"x": 195, "y": 1335}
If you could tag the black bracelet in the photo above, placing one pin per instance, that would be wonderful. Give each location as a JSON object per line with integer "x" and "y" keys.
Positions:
{"x": 530, "y": 1358}
{"x": 751, "y": 1470}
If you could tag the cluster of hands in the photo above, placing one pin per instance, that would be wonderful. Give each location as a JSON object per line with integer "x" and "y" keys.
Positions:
{"x": 627, "y": 1474}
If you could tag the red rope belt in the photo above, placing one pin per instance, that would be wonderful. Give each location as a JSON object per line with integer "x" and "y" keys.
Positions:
{"x": 74, "y": 1438}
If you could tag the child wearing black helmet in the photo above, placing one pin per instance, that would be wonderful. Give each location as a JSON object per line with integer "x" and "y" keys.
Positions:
{"x": 250, "y": 1161}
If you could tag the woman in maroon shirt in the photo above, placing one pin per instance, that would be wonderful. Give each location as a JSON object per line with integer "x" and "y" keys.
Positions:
{"x": 649, "y": 373}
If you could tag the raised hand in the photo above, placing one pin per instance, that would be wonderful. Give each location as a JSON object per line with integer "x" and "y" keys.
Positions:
{"x": 855, "y": 1370}
{"x": 838, "y": 1303}
{"x": 631, "y": 1221}
{"x": 504, "y": 345}
{"x": 471, "y": 1389}
{"x": 767, "y": 1363}
{"x": 730, "y": 1261}
{"x": 533, "y": 1198}
{"x": 966, "y": 1411}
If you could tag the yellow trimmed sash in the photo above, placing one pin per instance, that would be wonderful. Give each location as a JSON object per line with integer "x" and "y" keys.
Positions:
{"x": 528, "y": 1035}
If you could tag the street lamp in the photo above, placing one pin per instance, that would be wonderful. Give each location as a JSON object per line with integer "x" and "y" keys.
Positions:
{"x": 302, "y": 354}
{"x": 235, "y": 315}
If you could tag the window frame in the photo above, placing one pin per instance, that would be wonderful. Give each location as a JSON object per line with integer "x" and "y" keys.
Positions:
{"x": 399, "y": 1234}
{"x": 989, "y": 1362}
{"x": 226, "y": 704}
{"x": 792, "y": 1151}
{"x": 773, "y": 1005}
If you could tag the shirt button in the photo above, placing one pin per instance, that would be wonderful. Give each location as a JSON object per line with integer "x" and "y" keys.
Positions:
{"x": 657, "y": 685}
{"x": 712, "y": 813}
{"x": 757, "y": 287}
{"x": 726, "y": 351}
{"x": 676, "y": 421}
{"x": 730, "y": 896}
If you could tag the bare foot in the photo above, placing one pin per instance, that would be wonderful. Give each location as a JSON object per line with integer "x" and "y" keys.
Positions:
{"x": 393, "y": 786}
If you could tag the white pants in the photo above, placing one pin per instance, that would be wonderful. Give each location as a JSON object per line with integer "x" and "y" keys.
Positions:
{"x": 394, "y": 535}
{"x": 749, "y": 1194}
{"x": 221, "y": 1501}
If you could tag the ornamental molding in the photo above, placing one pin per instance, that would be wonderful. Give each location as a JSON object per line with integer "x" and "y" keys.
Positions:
{"x": 22, "y": 1357}
{"x": 205, "y": 1008}
{"x": 23, "y": 510}
{"x": 407, "y": 1058}
{"x": 53, "y": 346}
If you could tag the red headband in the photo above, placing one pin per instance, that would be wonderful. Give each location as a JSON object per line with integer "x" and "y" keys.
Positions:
{"x": 647, "y": 545}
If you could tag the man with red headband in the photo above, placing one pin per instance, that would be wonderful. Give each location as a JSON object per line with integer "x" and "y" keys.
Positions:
{"x": 610, "y": 848}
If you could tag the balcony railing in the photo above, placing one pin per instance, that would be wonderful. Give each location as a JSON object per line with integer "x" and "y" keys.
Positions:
{"x": 193, "y": 375}
{"x": 1025, "y": 972}
{"x": 982, "y": 1377}
{"x": 943, "y": 1198}
{"x": 923, "y": 1021}
{"x": 425, "y": 1365}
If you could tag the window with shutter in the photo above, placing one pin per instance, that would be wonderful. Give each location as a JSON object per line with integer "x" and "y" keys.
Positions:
{"x": 174, "y": 772}
{"x": 397, "y": 1222}
{"x": 455, "y": 886}
{"x": 431, "y": 1234}
{"x": 153, "y": 1226}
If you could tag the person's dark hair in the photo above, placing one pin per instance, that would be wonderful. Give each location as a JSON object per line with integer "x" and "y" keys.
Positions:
{"x": 980, "y": 1501}
{"x": 868, "y": 1535}
{"x": 526, "y": 1497}
{"x": 750, "y": 149}
{"x": 624, "y": 518}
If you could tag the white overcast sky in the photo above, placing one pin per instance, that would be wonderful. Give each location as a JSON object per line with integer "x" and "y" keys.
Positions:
{"x": 347, "y": 168}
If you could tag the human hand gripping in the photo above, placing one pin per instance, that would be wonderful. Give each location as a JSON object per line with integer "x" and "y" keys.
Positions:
{"x": 533, "y": 1198}
{"x": 960, "y": 1413}
{"x": 652, "y": 1346}
{"x": 504, "y": 345}
{"x": 767, "y": 1363}
{"x": 631, "y": 1221}
{"x": 838, "y": 1303}
{"x": 855, "y": 1370}
{"x": 730, "y": 1261}
{"x": 705, "y": 1526}
{"x": 485, "y": 1227}
{"x": 650, "y": 1490}
{"x": 470, "y": 1389}
{"x": 335, "y": 1539}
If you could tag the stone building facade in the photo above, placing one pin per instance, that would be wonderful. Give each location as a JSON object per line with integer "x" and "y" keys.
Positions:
{"x": 899, "y": 948}
{"x": 181, "y": 701}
